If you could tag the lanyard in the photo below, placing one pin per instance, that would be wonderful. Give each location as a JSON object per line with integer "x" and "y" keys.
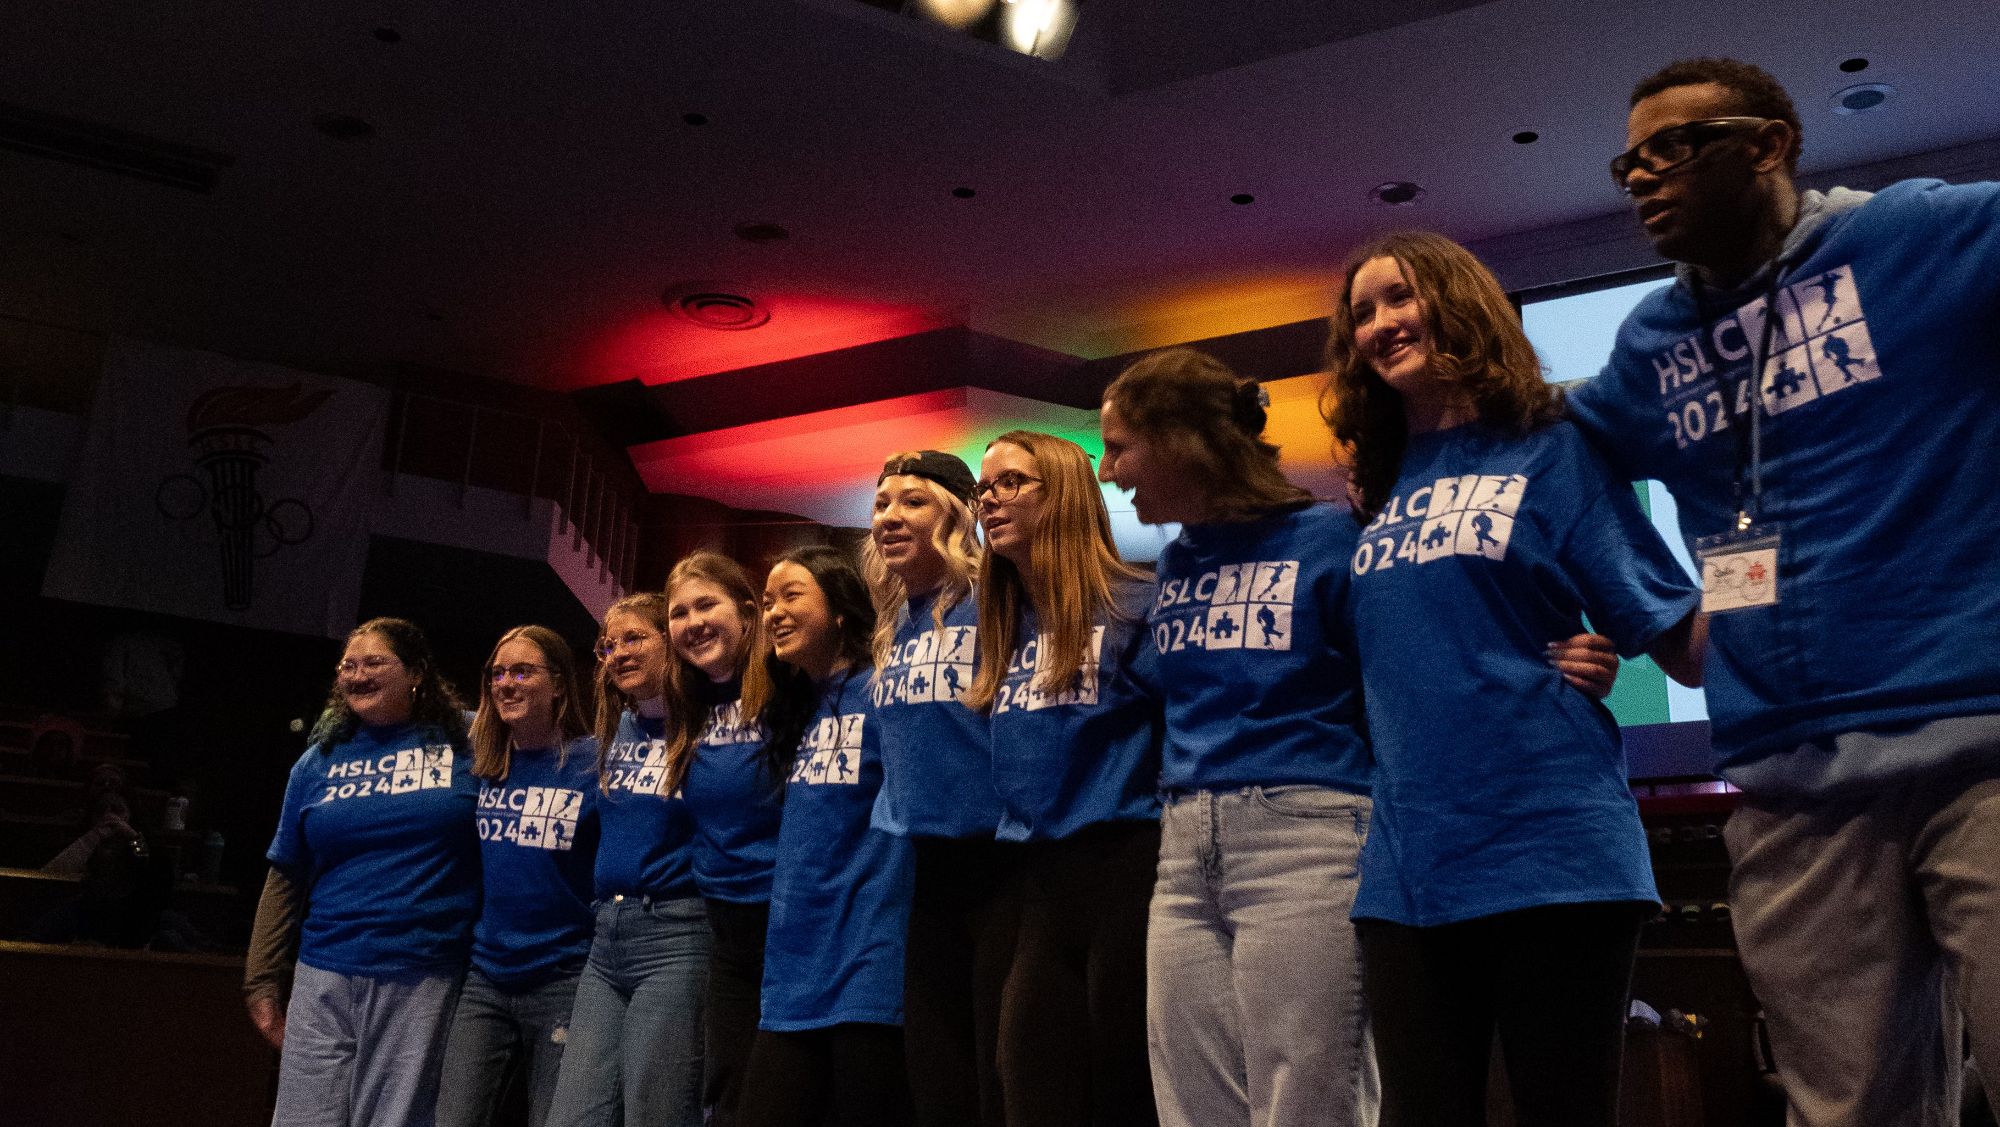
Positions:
{"x": 1750, "y": 431}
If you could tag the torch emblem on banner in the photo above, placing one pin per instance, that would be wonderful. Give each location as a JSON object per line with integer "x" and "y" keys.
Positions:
{"x": 228, "y": 432}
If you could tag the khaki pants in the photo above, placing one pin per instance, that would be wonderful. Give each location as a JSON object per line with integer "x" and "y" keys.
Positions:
{"x": 1867, "y": 926}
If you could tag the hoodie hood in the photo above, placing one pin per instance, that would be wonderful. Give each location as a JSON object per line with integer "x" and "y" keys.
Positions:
{"x": 1816, "y": 209}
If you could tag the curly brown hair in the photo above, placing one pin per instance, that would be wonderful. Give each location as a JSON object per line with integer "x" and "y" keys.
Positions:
{"x": 1477, "y": 344}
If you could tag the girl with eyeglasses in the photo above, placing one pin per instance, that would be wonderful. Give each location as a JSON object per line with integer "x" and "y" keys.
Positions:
{"x": 377, "y": 837}
{"x": 829, "y": 1047}
{"x": 1076, "y": 729}
{"x": 1506, "y": 876}
{"x": 1255, "y": 1006}
{"x": 635, "y": 1036}
{"x": 921, "y": 559}
{"x": 538, "y": 832}
{"x": 715, "y": 760}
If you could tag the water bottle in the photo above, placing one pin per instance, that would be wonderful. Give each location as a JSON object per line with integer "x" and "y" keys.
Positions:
{"x": 175, "y": 815}
{"x": 211, "y": 858}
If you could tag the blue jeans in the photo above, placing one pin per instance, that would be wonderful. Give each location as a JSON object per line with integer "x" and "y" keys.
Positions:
{"x": 1254, "y": 1012}
{"x": 495, "y": 1028}
{"x": 364, "y": 1050}
{"x": 635, "y": 1034}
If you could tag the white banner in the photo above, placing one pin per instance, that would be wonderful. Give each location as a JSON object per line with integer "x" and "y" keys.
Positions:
{"x": 224, "y": 490}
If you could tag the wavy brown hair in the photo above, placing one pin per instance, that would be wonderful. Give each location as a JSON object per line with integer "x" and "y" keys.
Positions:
{"x": 1076, "y": 567}
{"x": 436, "y": 706}
{"x": 1196, "y": 411}
{"x": 955, "y": 538}
{"x": 685, "y": 714}
{"x": 1477, "y": 343}
{"x": 493, "y": 740}
{"x": 613, "y": 702}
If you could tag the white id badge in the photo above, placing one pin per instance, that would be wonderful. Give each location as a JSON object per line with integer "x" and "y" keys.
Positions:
{"x": 1739, "y": 570}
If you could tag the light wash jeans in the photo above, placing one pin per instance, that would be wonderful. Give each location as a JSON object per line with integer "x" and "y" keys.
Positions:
{"x": 1254, "y": 1013}
{"x": 364, "y": 1051}
{"x": 493, "y": 1029}
{"x": 635, "y": 1034}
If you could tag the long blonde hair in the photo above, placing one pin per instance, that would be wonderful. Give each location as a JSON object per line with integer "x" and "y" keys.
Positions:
{"x": 1076, "y": 566}
{"x": 954, "y": 539}
{"x": 493, "y": 739}
{"x": 685, "y": 714}
{"x": 613, "y": 702}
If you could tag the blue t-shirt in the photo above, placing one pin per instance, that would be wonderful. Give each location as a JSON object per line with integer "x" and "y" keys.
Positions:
{"x": 1881, "y": 448}
{"x": 735, "y": 803}
{"x": 538, "y": 832}
{"x": 1091, "y": 752}
{"x": 648, "y": 844}
{"x": 1498, "y": 785}
{"x": 936, "y": 762}
{"x": 1250, "y": 635}
{"x": 840, "y": 902}
{"x": 380, "y": 830}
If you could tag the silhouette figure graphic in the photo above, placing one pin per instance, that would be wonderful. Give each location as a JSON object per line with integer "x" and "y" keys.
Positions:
{"x": 1277, "y": 576}
{"x": 1482, "y": 531}
{"x": 1826, "y": 284}
{"x": 1268, "y": 620}
{"x": 951, "y": 679}
{"x": 1835, "y": 349}
{"x": 840, "y": 765}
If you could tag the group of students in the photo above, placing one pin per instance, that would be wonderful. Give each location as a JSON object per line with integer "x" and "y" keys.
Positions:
{"x": 989, "y": 826}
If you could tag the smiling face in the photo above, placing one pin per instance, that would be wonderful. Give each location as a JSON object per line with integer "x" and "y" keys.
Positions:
{"x": 800, "y": 623}
{"x": 374, "y": 681}
{"x": 525, "y": 702}
{"x": 1163, "y": 491}
{"x": 1010, "y": 524}
{"x": 907, "y": 517}
{"x": 1700, "y": 210}
{"x": 638, "y": 657}
{"x": 1389, "y": 329}
{"x": 707, "y": 628}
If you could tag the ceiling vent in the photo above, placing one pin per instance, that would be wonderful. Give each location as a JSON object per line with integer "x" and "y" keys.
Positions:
{"x": 715, "y": 305}
{"x": 112, "y": 150}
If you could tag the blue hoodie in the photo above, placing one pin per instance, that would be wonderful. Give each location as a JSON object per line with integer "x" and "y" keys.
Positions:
{"x": 1881, "y": 450}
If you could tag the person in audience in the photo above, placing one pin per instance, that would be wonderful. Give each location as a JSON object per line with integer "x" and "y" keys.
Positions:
{"x": 110, "y": 818}
{"x": 378, "y": 859}
{"x": 829, "y": 1048}
{"x": 635, "y": 1037}
{"x": 124, "y": 899}
{"x": 1255, "y": 1008}
{"x": 1076, "y": 759}
{"x": 538, "y": 832}
{"x": 1506, "y": 875}
{"x": 920, "y": 560}
{"x": 1846, "y": 701}
{"x": 715, "y": 761}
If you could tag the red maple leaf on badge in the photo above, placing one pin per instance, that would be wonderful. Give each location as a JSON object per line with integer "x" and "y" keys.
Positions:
{"x": 1756, "y": 573}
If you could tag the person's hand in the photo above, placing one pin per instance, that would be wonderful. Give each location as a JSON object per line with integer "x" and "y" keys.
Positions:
{"x": 269, "y": 1018}
{"x": 1588, "y": 662}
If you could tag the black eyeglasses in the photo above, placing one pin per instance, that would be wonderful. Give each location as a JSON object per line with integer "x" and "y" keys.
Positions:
{"x": 1003, "y": 489}
{"x": 1676, "y": 145}
{"x": 519, "y": 672}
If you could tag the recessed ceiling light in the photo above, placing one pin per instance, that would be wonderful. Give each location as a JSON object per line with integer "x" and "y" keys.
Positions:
{"x": 388, "y": 35}
{"x": 761, "y": 232}
{"x": 1241, "y": 198}
{"x": 694, "y": 119}
{"x": 343, "y": 127}
{"x": 715, "y": 305}
{"x": 1396, "y": 193}
{"x": 1863, "y": 98}
{"x": 1855, "y": 65}
{"x": 964, "y": 193}
{"x": 1526, "y": 137}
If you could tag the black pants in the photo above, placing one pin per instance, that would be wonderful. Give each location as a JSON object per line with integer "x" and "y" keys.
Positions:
{"x": 961, "y": 944}
{"x": 848, "y": 1075}
{"x": 1073, "y": 1021}
{"x": 735, "y": 985}
{"x": 1553, "y": 980}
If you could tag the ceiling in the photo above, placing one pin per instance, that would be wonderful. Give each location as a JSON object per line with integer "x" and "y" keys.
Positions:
{"x": 532, "y": 187}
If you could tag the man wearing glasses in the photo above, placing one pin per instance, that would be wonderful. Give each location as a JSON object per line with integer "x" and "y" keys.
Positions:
{"x": 1854, "y": 689}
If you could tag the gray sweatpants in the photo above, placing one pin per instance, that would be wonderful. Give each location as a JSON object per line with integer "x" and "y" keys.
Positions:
{"x": 1868, "y": 925}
